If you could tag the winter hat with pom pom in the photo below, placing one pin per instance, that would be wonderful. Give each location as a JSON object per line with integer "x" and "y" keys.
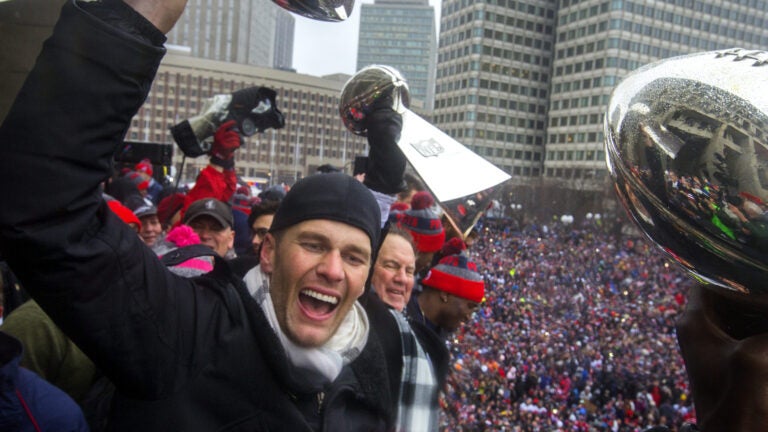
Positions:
{"x": 423, "y": 224}
{"x": 457, "y": 275}
{"x": 453, "y": 246}
{"x": 180, "y": 237}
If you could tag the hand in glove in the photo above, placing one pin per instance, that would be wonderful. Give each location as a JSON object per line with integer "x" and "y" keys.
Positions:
{"x": 386, "y": 162}
{"x": 225, "y": 141}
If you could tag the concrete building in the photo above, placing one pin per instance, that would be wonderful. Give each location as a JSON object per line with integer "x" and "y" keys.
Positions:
{"x": 401, "y": 34}
{"x": 313, "y": 134}
{"x": 284, "y": 31}
{"x": 493, "y": 79}
{"x": 250, "y": 32}
{"x": 525, "y": 83}
{"x": 599, "y": 42}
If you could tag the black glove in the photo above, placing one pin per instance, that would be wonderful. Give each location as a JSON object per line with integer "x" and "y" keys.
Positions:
{"x": 386, "y": 162}
{"x": 254, "y": 109}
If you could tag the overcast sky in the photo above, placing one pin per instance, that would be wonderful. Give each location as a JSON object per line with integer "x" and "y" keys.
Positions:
{"x": 322, "y": 48}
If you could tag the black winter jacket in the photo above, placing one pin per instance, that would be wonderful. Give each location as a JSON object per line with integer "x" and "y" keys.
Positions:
{"x": 185, "y": 355}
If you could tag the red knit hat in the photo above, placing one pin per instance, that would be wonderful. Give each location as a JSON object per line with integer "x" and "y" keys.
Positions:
{"x": 124, "y": 213}
{"x": 423, "y": 224}
{"x": 242, "y": 202}
{"x": 457, "y": 275}
{"x": 244, "y": 190}
{"x": 144, "y": 166}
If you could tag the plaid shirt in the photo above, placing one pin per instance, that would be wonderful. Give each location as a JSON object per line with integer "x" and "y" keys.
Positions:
{"x": 418, "y": 405}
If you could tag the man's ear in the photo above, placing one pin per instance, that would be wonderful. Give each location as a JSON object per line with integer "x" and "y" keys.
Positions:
{"x": 444, "y": 296}
{"x": 267, "y": 253}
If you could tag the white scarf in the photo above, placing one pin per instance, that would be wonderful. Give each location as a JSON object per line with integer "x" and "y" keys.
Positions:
{"x": 343, "y": 347}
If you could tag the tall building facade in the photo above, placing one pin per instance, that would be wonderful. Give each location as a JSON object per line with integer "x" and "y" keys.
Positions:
{"x": 313, "y": 134}
{"x": 401, "y": 34}
{"x": 599, "y": 42}
{"x": 237, "y": 31}
{"x": 525, "y": 83}
{"x": 284, "y": 31}
{"x": 493, "y": 79}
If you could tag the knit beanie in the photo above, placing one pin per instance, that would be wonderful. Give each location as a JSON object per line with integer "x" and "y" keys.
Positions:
{"x": 244, "y": 190}
{"x": 121, "y": 188}
{"x": 274, "y": 193}
{"x": 124, "y": 213}
{"x": 453, "y": 246}
{"x": 242, "y": 202}
{"x": 180, "y": 237}
{"x": 457, "y": 275}
{"x": 137, "y": 179}
{"x": 336, "y": 197}
{"x": 144, "y": 166}
{"x": 423, "y": 224}
{"x": 140, "y": 206}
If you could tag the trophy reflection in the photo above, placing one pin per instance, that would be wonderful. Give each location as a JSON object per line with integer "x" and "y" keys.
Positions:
{"x": 687, "y": 147}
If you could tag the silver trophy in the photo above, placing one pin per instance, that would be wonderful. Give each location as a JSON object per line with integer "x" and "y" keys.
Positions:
{"x": 370, "y": 86}
{"x": 321, "y": 10}
{"x": 253, "y": 109}
{"x": 462, "y": 182}
{"x": 687, "y": 146}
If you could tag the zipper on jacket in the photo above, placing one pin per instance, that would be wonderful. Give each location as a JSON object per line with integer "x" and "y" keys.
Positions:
{"x": 320, "y": 399}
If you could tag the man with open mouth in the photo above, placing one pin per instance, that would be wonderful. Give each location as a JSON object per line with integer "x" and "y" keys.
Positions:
{"x": 287, "y": 348}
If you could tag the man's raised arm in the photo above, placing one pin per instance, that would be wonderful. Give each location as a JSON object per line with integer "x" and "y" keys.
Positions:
{"x": 163, "y": 14}
{"x": 87, "y": 269}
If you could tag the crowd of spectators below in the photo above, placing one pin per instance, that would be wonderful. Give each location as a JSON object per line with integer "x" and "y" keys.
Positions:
{"x": 576, "y": 334}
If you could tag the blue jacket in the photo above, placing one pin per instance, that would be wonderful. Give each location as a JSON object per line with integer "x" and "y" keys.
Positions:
{"x": 30, "y": 403}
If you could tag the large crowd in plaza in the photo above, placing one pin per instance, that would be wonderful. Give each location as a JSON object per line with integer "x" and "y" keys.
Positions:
{"x": 576, "y": 334}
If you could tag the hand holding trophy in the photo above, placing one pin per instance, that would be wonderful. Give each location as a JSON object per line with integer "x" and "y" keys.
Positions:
{"x": 462, "y": 182}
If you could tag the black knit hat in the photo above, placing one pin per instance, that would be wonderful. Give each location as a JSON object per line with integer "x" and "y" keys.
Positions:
{"x": 335, "y": 196}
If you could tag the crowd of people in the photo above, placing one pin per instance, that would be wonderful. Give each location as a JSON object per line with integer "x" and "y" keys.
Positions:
{"x": 576, "y": 334}
{"x": 341, "y": 303}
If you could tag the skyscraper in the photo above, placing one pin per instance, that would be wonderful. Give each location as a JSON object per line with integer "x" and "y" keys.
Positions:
{"x": 401, "y": 34}
{"x": 284, "y": 31}
{"x": 525, "y": 83}
{"x": 493, "y": 77}
{"x": 599, "y": 42}
{"x": 237, "y": 31}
